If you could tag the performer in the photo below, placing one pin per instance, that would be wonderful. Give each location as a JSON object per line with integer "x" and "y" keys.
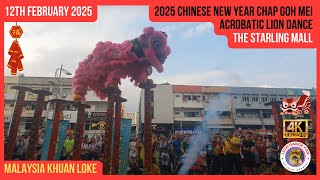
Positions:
{"x": 232, "y": 151}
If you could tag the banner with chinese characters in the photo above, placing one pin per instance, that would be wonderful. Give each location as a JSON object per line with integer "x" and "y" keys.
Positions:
{"x": 124, "y": 145}
{"x": 62, "y": 133}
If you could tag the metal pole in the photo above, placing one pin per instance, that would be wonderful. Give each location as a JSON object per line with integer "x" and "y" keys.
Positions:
{"x": 60, "y": 88}
{"x": 55, "y": 128}
{"x": 48, "y": 105}
{"x": 147, "y": 86}
{"x": 117, "y": 127}
{"x": 108, "y": 131}
{"x": 79, "y": 129}
{"x": 34, "y": 134}
{"x": 14, "y": 126}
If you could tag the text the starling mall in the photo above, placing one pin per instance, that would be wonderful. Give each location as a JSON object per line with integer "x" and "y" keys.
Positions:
{"x": 272, "y": 37}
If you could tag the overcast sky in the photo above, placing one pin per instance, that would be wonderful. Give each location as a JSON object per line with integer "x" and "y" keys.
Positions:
{"x": 199, "y": 57}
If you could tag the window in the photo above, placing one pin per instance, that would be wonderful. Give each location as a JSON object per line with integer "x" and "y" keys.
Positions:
{"x": 11, "y": 105}
{"x": 196, "y": 98}
{"x": 273, "y": 98}
{"x": 28, "y": 124}
{"x": 177, "y": 96}
{"x": 177, "y": 113}
{"x": 186, "y": 97}
{"x": 252, "y": 115}
{"x": 266, "y": 115}
{"x": 235, "y": 97}
{"x": 245, "y": 99}
{"x": 6, "y": 125}
{"x": 264, "y": 99}
{"x": 6, "y": 118}
{"x": 191, "y": 114}
{"x": 255, "y": 99}
{"x": 240, "y": 115}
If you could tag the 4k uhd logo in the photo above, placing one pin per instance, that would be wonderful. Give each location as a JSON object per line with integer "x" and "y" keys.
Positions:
{"x": 295, "y": 128}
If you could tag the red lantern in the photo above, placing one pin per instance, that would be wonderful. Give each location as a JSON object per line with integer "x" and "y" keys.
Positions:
{"x": 16, "y": 32}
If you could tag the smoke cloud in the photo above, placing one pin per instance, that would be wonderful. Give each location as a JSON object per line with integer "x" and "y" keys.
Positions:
{"x": 201, "y": 138}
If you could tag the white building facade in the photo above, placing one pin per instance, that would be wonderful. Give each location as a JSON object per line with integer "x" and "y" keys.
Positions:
{"x": 183, "y": 107}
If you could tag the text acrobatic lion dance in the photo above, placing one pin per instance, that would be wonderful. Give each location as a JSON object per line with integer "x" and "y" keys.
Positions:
{"x": 110, "y": 62}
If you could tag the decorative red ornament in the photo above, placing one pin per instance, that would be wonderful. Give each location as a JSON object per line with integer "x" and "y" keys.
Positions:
{"x": 15, "y": 60}
{"x": 16, "y": 31}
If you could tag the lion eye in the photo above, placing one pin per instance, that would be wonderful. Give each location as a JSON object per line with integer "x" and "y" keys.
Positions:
{"x": 156, "y": 44}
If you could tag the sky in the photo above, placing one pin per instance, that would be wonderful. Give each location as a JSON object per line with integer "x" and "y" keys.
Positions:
{"x": 199, "y": 57}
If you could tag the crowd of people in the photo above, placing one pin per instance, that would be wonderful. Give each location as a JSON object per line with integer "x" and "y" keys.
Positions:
{"x": 21, "y": 146}
{"x": 233, "y": 152}
{"x": 91, "y": 148}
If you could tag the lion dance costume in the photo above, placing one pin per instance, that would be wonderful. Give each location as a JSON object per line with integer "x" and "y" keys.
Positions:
{"x": 110, "y": 62}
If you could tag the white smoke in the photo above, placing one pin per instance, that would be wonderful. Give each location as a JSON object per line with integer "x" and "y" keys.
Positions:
{"x": 201, "y": 138}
